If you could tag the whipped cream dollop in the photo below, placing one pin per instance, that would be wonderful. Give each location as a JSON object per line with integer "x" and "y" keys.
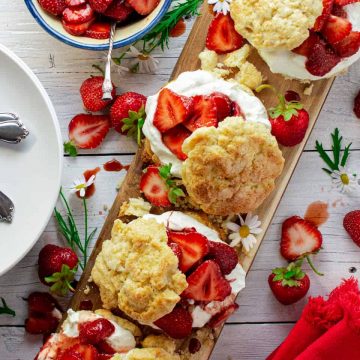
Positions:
{"x": 177, "y": 221}
{"x": 193, "y": 83}
{"x": 287, "y": 63}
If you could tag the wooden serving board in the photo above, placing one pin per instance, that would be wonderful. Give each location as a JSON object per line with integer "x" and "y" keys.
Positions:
{"x": 189, "y": 61}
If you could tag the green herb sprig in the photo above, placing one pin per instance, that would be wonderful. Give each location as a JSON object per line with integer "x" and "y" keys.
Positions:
{"x": 4, "y": 309}
{"x": 68, "y": 229}
{"x": 174, "y": 191}
{"x": 338, "y": 158}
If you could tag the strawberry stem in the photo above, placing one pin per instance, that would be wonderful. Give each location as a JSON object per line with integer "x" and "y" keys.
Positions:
{"x": 312, "y": 266}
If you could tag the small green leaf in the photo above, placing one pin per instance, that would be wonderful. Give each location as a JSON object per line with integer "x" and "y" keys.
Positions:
{"x": 4, "y": 309}
{"x": 70, "y": 148}
{"x": 60, "y": 281}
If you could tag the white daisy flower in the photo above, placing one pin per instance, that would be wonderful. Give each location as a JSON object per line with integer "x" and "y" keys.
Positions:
{"x": 80, "y": 185}
{"x": 141, "y": 62}
{"x": 344, "y": 179}
{"x": 220, "y": 6}
{"x": 245, "y": 232}
{"x": 121, "y": 70}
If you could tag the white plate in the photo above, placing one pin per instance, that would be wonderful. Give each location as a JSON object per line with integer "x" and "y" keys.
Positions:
{"x": 30, "y": 172}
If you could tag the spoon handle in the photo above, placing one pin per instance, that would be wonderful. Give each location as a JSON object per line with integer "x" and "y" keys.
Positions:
{"x": 12, "y": 130}
{"x": 6, "y": 208}
{"x": 107, "y": 87}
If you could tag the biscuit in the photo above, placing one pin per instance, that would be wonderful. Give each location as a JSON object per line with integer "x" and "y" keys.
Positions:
{"x": 231, "y": 169}
{"x": 146, "y": 354}
{"x": 276, "y": 23}
{"x": 137, "y": 271}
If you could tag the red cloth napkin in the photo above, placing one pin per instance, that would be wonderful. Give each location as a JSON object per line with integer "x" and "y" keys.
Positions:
{"x": 323, "y": 327}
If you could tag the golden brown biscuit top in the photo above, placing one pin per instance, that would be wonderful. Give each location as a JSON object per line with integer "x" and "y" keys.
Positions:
{"x": 275, "y": 23}
{"x": 146, "y": 354}
{"x": 137, "y": 271}
{"x": 231, "y": 169}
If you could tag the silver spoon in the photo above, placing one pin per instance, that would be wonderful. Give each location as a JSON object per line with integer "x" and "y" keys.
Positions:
{"x": 6, "y": 208}
{"x": 107, "y": 87}
{"x": 12, "y": 130}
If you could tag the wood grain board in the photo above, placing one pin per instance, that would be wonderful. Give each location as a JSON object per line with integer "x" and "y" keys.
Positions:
{"x": 189, "y": 61}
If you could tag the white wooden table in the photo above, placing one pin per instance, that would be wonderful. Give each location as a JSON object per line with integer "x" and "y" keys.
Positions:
{"x": 261, "y": 322}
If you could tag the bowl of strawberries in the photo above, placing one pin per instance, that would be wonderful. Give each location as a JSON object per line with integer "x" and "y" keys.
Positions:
{"x": 86, "y": 24}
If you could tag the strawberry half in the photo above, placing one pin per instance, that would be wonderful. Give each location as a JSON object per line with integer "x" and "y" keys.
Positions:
{"x": 321, "y": 20}
{"x": 203, "y": 114}
{"x": 224, "y": 255}
{"x": 53, "y": 7}
{"x": 100, "y": 6}
{"x": 93, "y": 332}
{"x": 79, "y": 352}
{"x": 172, "y": 109}
{"x": 336, "y": 29}
{"x": 88, "y": 131}
{"x": 321, "y": 60}
{"x": 290, "y": 284}
{"x": 177, "y": 324}
{"x": 99, "y": 30}
{"x": 119, "y": 10}
{"x": 41, "y": 325}
{"x": 299, "y": 239}
{"x": 222, "y": 104}
{"x": 154, "y": 187}
{"x": 222, "y": 36}
{"x": 306, "y": 48}
{"x": 218, "y": 319}
{"x": 76, "y": 29}
{"x": 174, "y": 138}
{"x": 351, "y": 224}
{"x": 79, "y": 14}
{"x": 42, "y": 303}
{"x": 91, "y": 92}
{"x": 206, "y": 283}
{"x": 143, "y": 7}
{"x": 348, "y": 46}
{"x": 193, "y": 245}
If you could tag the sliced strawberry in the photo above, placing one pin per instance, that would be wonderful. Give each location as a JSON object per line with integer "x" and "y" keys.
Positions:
{"x": 306, "y": 48}
{"x": 345, "y": 2}
{"x": 93, "y": 332}
{"x": 218, "y": 319}
{"x": 174, "y": 139}
{"x": 224, "y": 255}
{"x": 41, "y": 325}
{"x": 357, "y": 105}
{"x": 76, "y": 29}
{"x": 88, "y": 131}
{"x": 206, "y": 283}
{"x": 299, "y": 238}
{"x": 222, "y": 36}
{"x": 339, "y": 11}
{"x": 177, "y": 324}
{"x": 236, "y": 110}
{"x": 194, "y": 247}
{"x": 98, "y": 30}
{"x": 176, "y": 250}
{"x": 172, "y": 109}
{"x": 321, "y": 60}
{"x": 336, "y": 29}
{"x": 222, "y": 104}
{"x": 79, "y": 14}
{"x": 154, "y": 187}
{"x": 42, "y": 303}
{"x": 72, "y": 3}
{"x": 321, "y": 20}
{"x": 119, "y": 10}
{"x": 204, "y": 113}
{"x": 100, "y": 6}
{"x": 54, "y": 7}
{"x": 348, "y": 46}
{"x": 79, "y": 352}
{"x": 351, "y": 224}
{"x": 104, "y": 347}
{"x": 143, "y": 7}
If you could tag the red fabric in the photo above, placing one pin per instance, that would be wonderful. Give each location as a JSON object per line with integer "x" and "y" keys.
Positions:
{"x": 327, "y": 329}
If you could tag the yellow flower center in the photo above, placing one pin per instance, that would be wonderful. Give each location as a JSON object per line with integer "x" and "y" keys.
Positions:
{"x": 244, "y": 231}
{"x": 143, "y": 57}
{"x": 345, "y": 179}
{"x": 80, "y": 186}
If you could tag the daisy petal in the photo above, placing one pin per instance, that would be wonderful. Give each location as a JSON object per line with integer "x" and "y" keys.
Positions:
{"x": 233, "y": 226}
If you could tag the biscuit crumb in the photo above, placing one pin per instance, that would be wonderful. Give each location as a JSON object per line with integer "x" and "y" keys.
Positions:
{"x": 135, "y": 207}
{"x": 159, "y": 341}
{"x": 209, "y": 59}
{"x": 308, "y": 90}
{"x": 249, "y": 76}
{"x": 237, "y": 57}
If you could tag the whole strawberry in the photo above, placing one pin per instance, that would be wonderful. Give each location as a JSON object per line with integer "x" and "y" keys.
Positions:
{"x": 289, "y": 284}
{"x": 357, "y": 105}
{"x": 289, "y": 122}
{"x": 53, "y": 7}
{"x": 127, "y": 107}
{"x": 57, "y": 268}
{"x": 352, "y": 225}
{"x": 91, "y": 94}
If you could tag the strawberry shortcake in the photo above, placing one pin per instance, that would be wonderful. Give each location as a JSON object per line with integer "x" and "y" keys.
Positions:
{"x": 170, "y": 272}
{"x": 196, "y": 99}
{"x": 306, "y": 40}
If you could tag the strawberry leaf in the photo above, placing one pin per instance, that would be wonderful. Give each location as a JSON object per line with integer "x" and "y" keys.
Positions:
{"x": 133, "y": 124}
{"x": 70, "y": 149}
{"x": 174, "y": 191}
{"x": 289, "y": 275}
{"x": 61, "y": 281}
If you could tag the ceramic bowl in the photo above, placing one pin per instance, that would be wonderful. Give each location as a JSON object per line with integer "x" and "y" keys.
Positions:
{"x": 125, "y": 35}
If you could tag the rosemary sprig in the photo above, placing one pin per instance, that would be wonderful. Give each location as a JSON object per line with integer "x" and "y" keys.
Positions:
{"x": 174, "y": 191}
{"x": 159, "y": 35}
{"x": 69, "y": 230}
{"x": 337, "y": 160}
{"x": 4, "y": 309}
